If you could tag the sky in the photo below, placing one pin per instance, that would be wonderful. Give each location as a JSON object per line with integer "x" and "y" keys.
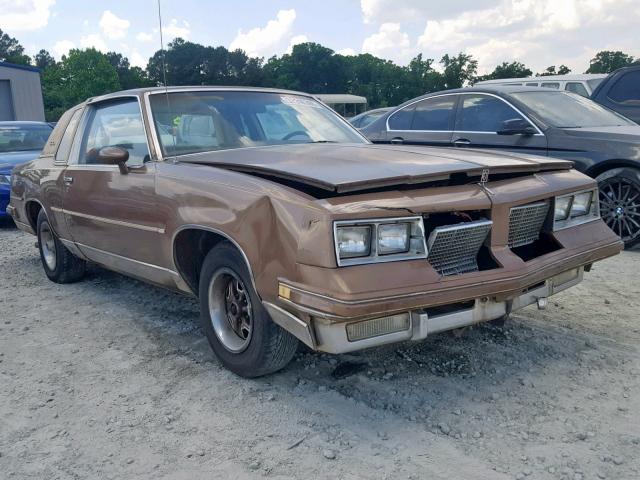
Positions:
{"x": 538, "y": 33}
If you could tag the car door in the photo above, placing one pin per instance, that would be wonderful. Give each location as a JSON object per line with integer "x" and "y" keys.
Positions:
{"x": 426, "y": 122}
{"x": 113, "y": 217}
{"x": 481, "y": 116}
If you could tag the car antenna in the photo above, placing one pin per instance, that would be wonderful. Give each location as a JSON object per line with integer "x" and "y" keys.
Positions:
{"x": 164, "y": 76}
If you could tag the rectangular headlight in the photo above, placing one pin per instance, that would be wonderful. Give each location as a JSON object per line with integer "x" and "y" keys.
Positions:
{"x": 393, "y": 238}
{"x": 354, "y": 241}
{"x": 5, "y": 179}
{"x": 562, "y": 207}
{"x": 379, "y": 240}
{"x": 581, "y": 204}
{"x": 576, "y": 208}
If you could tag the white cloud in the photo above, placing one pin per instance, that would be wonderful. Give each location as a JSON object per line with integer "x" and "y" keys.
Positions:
{"x": 295, "y": 40}
{"x": 144, "y": 37}
{"x": 389, "y": 42}
{"x": 346, "y": 51}
{"x": 176, "y": 29}
{"x": 94, "y": 41}
{"x": 113, "y": 27}
{"x": 137, "y": 60}
{"x": 62, "y": 47}
{"x": 538, "y": 33}
{"x": 267, "y": 40}
{"x": 24, "y": 15}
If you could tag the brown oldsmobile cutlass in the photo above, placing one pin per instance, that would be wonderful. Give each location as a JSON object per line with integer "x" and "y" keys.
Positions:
{"x": 289, "y": 226}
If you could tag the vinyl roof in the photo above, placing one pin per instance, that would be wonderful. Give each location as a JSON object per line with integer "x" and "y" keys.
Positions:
{"x": 336, "y": 98}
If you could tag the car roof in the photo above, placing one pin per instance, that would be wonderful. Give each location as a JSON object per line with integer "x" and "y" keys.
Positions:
{"x": 547, "y": 78}
{"x": 198, "y": 88}
{"x": 22, "y": 123}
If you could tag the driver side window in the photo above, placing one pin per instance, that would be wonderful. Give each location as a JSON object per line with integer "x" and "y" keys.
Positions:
{"x": 482, "y": 113}
{"x": 115, "y": 124}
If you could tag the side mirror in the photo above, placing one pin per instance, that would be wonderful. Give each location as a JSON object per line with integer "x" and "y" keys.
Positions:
{"x": 516, "y": 126}
{"x": 114, "y": 156}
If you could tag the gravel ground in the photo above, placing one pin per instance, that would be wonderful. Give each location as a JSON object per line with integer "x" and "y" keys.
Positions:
{"x": 112, "y": 378}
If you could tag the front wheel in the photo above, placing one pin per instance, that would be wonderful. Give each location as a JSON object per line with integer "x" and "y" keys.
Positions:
{"x": 239, "y": 329}
{"x": 620, "y": 203}
{"x": 60, "y": 265}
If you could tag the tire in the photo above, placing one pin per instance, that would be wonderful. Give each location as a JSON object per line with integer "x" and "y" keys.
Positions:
{"x": 620, "y": 203}
{"x": 60, "y": 265}
{"x": 239, "y": 329}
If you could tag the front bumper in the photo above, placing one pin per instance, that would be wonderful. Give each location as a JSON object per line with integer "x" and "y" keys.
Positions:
{"x": 333, "y": 338}
{"x": 4, "y": 201}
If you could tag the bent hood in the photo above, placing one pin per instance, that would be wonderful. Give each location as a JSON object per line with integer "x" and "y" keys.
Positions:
{"x": 352, "y": 167}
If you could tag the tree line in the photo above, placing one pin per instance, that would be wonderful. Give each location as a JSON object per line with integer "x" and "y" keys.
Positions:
{"x": 310, "y": 67}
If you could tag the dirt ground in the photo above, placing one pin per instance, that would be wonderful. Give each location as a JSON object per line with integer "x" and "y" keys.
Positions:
{"x": 111, "y": 378}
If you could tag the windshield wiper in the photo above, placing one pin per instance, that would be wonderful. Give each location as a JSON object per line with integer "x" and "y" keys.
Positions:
{"x": 323, "y": 141}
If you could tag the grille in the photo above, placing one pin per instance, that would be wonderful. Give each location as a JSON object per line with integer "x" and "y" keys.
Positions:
{"x": 453, "y": 249}
{"x": 525, "y": 223}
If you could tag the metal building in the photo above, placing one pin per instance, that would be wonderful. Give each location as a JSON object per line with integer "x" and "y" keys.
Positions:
{"x": 20, "y": 93}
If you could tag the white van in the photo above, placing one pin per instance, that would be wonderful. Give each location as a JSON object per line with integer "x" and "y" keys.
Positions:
{"x": 583, "y": 84}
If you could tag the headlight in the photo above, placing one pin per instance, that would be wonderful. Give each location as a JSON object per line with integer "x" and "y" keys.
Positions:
{"x": 379, "y": 240}
{"x": 354, "y": 241}
{"x": 581, "y": 204}
{"x": 576, "y": 208}
{"x": 563, "y": 207}
{"x": 393, "y": 238}
{"x": 5, "y": 179}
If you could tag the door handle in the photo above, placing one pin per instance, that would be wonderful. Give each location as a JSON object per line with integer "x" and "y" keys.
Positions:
{"x": 461, "y": 142}
{"x": 68, "y": 180}
{"x": 397, "y": 141}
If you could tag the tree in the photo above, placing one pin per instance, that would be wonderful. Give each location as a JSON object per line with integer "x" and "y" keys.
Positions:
{"x": 128, "y": 76}
{"x": 79, "y": 75}
{"x": 43, "y": 60}
{"x": 458, "y": 70}
{"x": 422, "y": 77}
{"x": 11, "y": 51}
{"x": 607, "y": 61}
{"x": 507, "y": 70}
{"x": 562, "y": 70}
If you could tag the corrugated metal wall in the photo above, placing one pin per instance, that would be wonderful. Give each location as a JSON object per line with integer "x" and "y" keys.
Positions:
{"x": 25, "y": 102}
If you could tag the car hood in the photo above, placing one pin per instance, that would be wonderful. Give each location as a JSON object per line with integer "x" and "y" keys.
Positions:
{"x": 11, "y": 159}
{"x": 355, "y": 167}
{"x": 625, "y": 133}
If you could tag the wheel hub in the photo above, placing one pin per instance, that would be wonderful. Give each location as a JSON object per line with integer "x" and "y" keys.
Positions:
{"x": 230, "y": 310}
{"x": 48, "y": 246}
{"x": 620, "y": 207}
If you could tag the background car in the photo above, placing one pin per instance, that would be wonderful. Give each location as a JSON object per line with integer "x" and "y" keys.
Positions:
{"x": 582, "y": 84}
{"x": 602, "y": 143}
{"x": 365, "y": 118}
{"x": 620, "y": 91}
{"x": 19, "y": 142}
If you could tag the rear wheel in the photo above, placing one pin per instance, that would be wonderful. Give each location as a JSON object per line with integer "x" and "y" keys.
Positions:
{"x": 239, "y": 329}
{"x": 620, "y": 203}
{"x": 60, "y": 265}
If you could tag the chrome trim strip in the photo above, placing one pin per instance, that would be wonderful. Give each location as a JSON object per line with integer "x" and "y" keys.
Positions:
{"x": 461, "y": 131}
{"x": 216, "y": 231}
{"x": 417, "y": 294}
{"x": 120, "y": 223}
{"x": 138, "y": 262}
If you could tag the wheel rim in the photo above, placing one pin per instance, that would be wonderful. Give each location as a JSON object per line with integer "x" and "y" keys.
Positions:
{"x": 620, "y": 207}
{"x": 48, "y": 246}
{"x": 230, "y": 310}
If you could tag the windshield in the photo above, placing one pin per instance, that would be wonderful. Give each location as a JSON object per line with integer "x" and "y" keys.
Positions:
{"x": 192, "y": 122}
{"x": 566, "y": 110}
{"x": 20, "y": 138}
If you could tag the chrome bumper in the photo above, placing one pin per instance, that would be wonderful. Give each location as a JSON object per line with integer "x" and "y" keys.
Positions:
{"x": 331, "y": 337}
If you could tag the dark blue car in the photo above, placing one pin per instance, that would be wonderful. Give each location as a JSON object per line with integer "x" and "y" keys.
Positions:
{"x": 19, "y": 143}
